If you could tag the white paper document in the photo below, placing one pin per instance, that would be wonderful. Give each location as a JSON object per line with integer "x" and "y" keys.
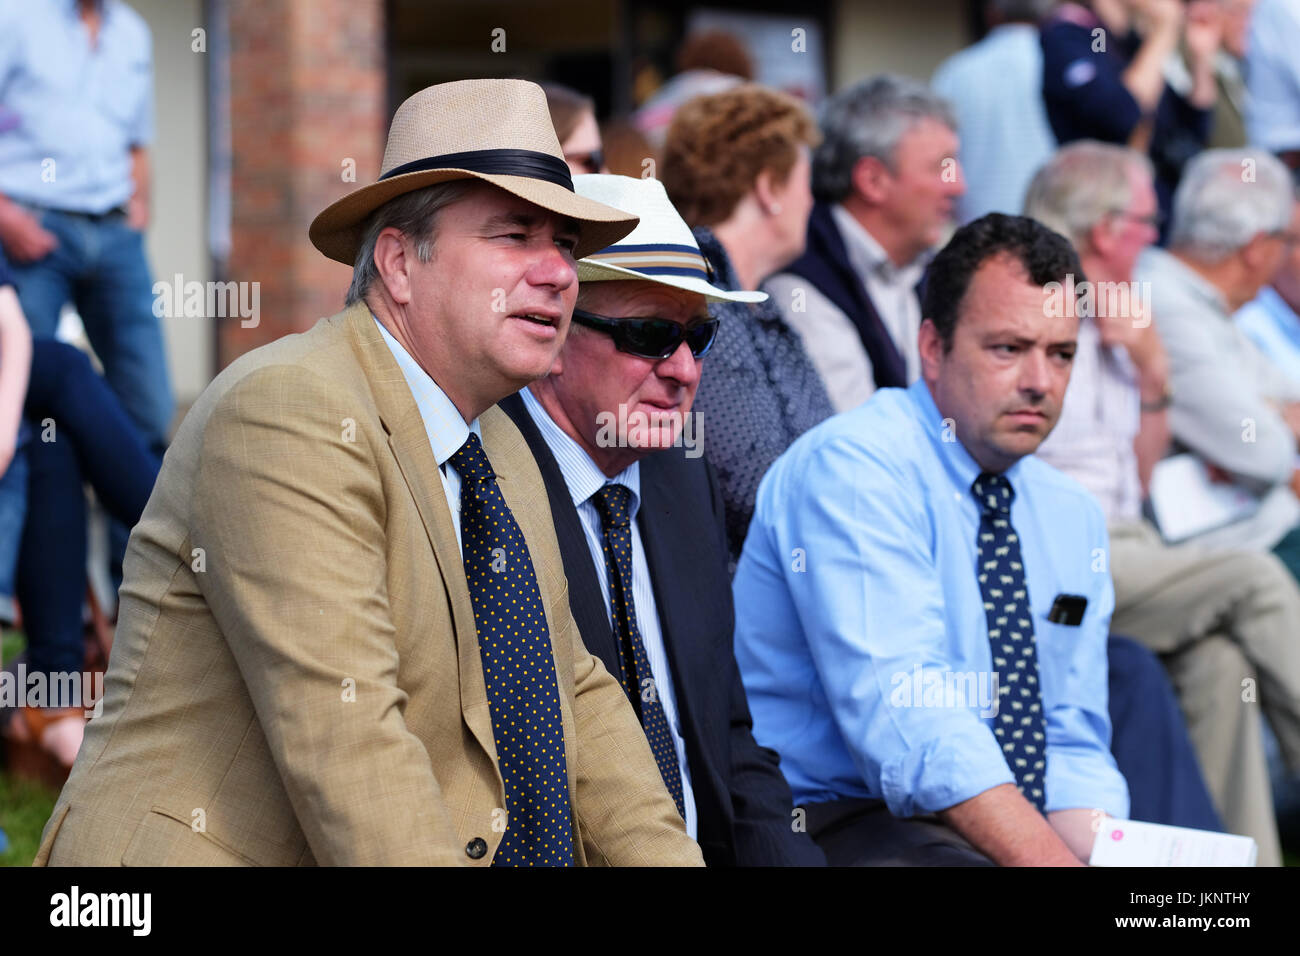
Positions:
{"x": 1132, "y": 843}
{"x": 1187, "y": 503}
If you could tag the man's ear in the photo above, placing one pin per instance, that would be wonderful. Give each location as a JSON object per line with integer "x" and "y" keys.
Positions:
{"x": 1255, "y": 254}
{"x": 1100, "y": 238}
{"x": 393, "y": 263}
{"x": 930, "y": 346}
{"x": 871, "y": 179}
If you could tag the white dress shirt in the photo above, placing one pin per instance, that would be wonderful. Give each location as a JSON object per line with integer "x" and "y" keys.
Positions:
{"x": 1093, "y": 439}
{"x": 584, "y": 479}
{"x": 442, "y": 421}
{"x": 830, "y": 337}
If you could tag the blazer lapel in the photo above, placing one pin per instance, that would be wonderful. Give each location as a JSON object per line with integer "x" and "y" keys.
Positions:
{"x": 666, "y": 556}
{"x": 409, "y": 442}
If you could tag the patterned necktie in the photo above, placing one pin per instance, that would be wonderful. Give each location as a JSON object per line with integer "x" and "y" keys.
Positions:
{"x": 518, "y": 669}
{"x": 1018, "y": 724}
{"x": 634, "y": 666}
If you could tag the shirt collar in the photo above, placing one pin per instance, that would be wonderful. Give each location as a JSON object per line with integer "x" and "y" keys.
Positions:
{"x": 869, "y": 257}
{"x": 1273, "y": 303}
{"x": 442, "y": 420}
{"x": 581, "y": 475}
{"x": 957, "y": 461}
{"x": 1196, "y": 283}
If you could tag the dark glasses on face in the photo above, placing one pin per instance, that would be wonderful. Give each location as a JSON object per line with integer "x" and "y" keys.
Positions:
{"x": 651, "y": 338}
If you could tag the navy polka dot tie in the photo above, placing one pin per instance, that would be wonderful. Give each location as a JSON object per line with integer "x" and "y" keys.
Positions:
{"x": 518, "y": 669}
{"x": 638, "y": 680}
{"x": 1018, "y": 723}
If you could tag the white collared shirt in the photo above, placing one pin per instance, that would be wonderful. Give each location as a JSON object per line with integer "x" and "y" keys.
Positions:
{"x": 583, "y": 479}
{"x": 892, "y": 288}
{"x": 443, "y": 423}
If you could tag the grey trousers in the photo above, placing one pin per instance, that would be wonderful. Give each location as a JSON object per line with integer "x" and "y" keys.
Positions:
{"x": 1227, "y": 625}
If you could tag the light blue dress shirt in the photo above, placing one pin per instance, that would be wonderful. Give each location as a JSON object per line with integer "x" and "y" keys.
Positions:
{"x": 70, "y": 113}
{"x": 996, "y": 89}
{"x": 442, "y": 421}
{"x": 584, "y": 479}
{"x": 1273, "y": 75}
{"x": 859, "y": 568}
{"x": 1273, "y": 326}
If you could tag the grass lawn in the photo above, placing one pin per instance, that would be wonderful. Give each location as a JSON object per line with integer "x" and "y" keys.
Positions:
{"x": 24, "y": 805}
{"x": 24, "y": 808}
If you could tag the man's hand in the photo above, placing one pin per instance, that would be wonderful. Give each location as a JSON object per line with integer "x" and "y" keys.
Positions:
{"x": 21, "y": 234}
{"x": 1006, "y": 828}
{"x": 1203, "y": 31}
{"x": 137, "y": 207}
{"x": 1160, "y": 16}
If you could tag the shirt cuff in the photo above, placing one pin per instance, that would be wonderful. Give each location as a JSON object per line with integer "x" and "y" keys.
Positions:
{"x": 943, "y": 772}
{"x": 1085, "y": 781}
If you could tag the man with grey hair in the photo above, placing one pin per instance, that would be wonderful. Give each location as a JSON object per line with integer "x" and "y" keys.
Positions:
{"x": 1215, "y": 617}
{"x": 1231, "y": 406}
{"x": 886, "y": 177}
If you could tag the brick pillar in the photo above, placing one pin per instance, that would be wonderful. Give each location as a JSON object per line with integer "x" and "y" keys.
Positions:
{"x": 307, "y": 92}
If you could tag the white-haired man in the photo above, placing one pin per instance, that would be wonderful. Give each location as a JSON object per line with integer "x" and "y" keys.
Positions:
{"x": 1230, "y": 405}
{"x": 638, "y": 513}
{"x": 1214, "y": 616}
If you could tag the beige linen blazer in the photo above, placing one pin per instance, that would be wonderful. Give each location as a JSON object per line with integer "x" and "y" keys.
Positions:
{"x": 295, "y": 677}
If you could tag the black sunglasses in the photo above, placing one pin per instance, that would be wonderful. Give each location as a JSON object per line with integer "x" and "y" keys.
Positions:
{"x": 649, "y": 337}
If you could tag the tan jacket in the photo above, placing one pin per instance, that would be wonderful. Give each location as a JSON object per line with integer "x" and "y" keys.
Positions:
{"x": 295, "y": 677}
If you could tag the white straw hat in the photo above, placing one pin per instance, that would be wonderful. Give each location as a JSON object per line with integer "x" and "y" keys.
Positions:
{"x": 660, "y": 249}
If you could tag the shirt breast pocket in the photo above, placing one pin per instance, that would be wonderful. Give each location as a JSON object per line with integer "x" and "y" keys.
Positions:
{"x": 1056, "y": 645}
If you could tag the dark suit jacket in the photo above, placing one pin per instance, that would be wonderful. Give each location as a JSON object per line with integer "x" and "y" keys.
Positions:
{"x": 742, "y": 800}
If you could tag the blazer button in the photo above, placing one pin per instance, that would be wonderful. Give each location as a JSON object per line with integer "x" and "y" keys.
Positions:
{"x": 476, "y": 849}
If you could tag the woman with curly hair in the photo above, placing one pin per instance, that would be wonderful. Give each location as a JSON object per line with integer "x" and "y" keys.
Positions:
{"x": 737, "y": 167}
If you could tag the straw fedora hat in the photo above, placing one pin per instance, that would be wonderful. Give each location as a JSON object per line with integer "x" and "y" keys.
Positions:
{"x": 498, "y": 131}
{"x": 660, "y": 249}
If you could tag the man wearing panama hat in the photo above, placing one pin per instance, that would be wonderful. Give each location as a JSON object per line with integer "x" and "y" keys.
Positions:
{"x": 639, "y": 519}
{"x": 344, "y": 634}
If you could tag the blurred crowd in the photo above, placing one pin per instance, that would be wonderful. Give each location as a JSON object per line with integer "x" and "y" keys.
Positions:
{"x": 1139, "y": 157}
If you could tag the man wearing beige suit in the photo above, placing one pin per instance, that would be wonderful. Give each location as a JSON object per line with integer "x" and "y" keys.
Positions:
{"x": 345, "y": 635}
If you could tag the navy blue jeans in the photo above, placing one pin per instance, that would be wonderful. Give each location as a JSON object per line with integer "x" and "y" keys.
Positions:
{"x": 100, "y": 267}
{"x": 80, "y": 433}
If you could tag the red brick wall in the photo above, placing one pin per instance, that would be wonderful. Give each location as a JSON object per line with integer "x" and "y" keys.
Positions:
{"x": 307, "y": 91}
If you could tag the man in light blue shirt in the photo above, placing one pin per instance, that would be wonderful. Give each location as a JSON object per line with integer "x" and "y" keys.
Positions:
{"x": 995, "y": 87}
{"x": 76, "y": 121}
{"x": 911, "y": 647}
{"x": 1273, "y": 79}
